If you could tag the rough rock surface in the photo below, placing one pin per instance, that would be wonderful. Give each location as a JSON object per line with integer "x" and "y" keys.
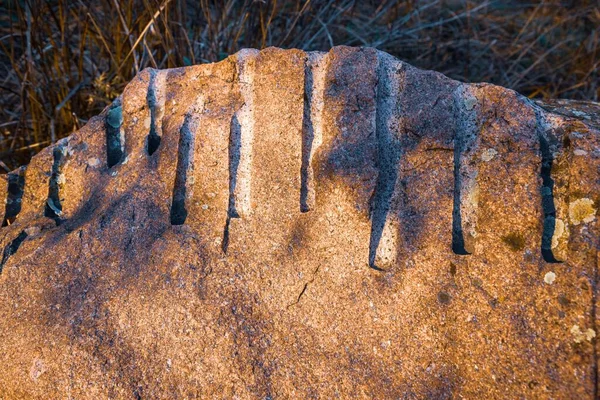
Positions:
{"x": 285, "y": 224}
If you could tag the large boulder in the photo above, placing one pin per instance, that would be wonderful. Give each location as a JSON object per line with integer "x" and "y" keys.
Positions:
{"x": 285, "y": 224}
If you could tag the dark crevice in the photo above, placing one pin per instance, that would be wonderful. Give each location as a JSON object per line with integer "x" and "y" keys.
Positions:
{"x": 380, "y": 204}
{"x": 14, "y": 198}
{"x": 458, "y": 237}
{"x": 151, "y": 98}
{"x": 465, "y": 141}
{"x": 235, "y": 148}
{"x": 53, "y": 207}
{"x": 225, "y": 243}
{"x": 179, "y": 210}
{"x": 303, "y": 291}
{"x": 12, "y": 248}
{"x": 307, "y": 142}
{"x": 114, "y": 135}
{"x": 547, "y": 192}
{"x": 388, "y": 158}
{"x": 153, "y": 140}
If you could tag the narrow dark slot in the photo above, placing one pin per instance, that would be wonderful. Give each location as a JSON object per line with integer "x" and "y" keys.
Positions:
{"x": 153, "y": 141}
{"x": 388, "y": 158}
{"x": 53, "y": 208}
{"x": 380, "y": 204}
{"x": 153, "y": 136}
{"x": 114, "y": 136}
{"x": 458, "y": 238}
{"x": 235, "y": 146}
{"x": 464, "y": 206}
{"x": 12, "y": 248}
{"x": 308, "y": 135}
{"x": 225, "y": 243}
{"x": 16, "y": 185}
{"x": 548, "y": 207}
{"x": 179, "y": 210}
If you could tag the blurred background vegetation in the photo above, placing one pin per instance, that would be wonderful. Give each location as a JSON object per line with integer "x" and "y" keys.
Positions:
{"x": 63, "y": 61}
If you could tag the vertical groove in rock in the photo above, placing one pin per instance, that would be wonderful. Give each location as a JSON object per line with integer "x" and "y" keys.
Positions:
{"x": 547, "y": 201}
{"x": 14, "y": 198}
{"x": 312, "y": 125}
{"x": 12, "y": 248}
{"x": 53, "y": 208}
{"x": 225, "y": 241}
{"x": 115, "y": 140}
{"x": 156, "y": 103}
{"x": 182, "y": 189}
{"x": 240, "y": 140}
{"x": 235, "y": 145}
{"x": 384, "y": 230}
{"x": 553, "y": 227}
{"x": 464, "y": 211}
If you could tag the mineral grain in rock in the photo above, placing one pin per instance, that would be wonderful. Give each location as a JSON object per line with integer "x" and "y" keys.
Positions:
{"x": 285, "y": 224}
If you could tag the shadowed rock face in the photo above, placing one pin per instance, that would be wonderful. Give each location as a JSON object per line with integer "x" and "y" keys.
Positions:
{"x": 285, "y": 224}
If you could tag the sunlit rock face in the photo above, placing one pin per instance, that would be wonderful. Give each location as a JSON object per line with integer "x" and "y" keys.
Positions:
{"x": 285, "y": 224}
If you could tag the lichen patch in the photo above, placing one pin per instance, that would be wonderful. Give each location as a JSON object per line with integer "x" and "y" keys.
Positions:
{"x": 579, "y": 335}
{"x": 470, "y": 101}
{"x": 582, "y": 211}
{"x": 488, "y": 154}
{"x": 549, "y": 277}
{"x": 515, "y": 241}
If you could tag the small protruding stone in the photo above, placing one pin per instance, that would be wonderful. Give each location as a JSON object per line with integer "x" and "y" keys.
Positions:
{"x": 115, "y": 117}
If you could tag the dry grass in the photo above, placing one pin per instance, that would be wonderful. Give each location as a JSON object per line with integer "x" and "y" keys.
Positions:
{"x": 63, "y": 61}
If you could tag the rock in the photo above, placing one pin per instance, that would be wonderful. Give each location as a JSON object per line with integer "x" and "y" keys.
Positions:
{"x": 285, "y": 224}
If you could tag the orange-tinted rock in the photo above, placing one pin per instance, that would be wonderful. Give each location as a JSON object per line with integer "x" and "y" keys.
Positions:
{"x": 285, "y": 224}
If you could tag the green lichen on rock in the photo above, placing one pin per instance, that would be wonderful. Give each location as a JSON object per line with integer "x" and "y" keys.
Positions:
{"x": 515, "y": 241}
{"x": 443, "y": 297}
